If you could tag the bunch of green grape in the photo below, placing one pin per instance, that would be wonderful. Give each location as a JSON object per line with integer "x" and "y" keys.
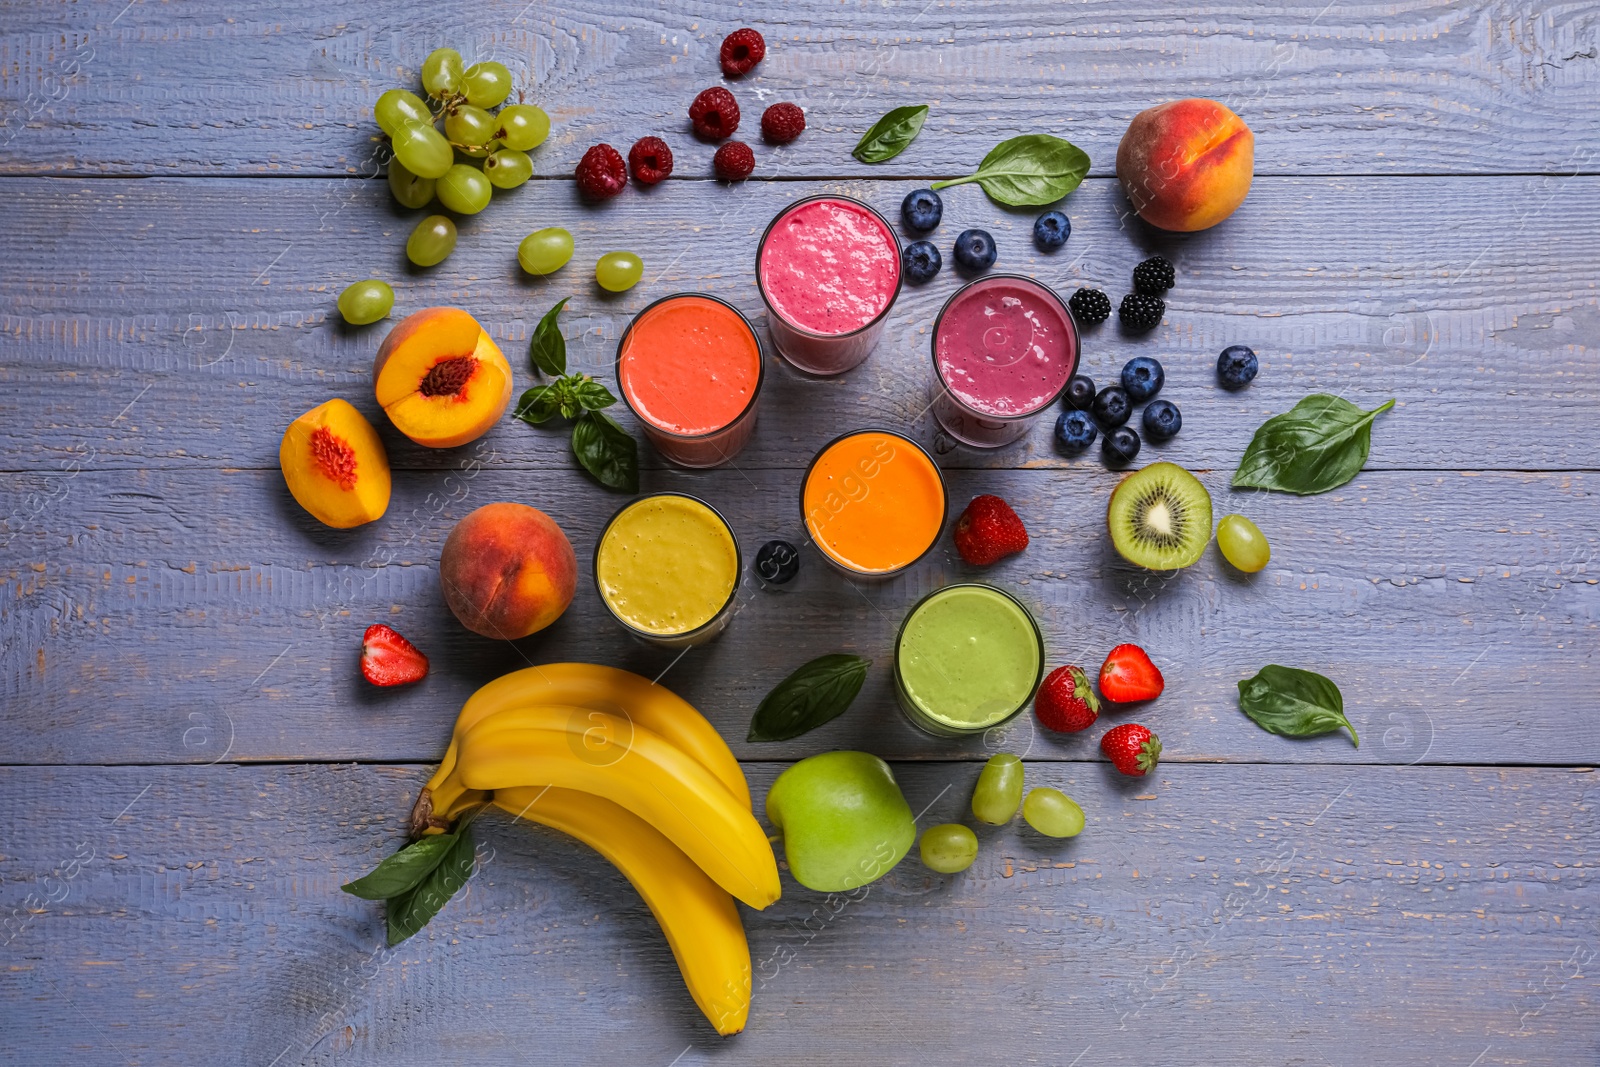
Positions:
{"x": 455, "y": 147}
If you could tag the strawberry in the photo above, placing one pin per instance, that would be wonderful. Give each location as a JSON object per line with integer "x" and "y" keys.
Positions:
{"x": 1066, "y": 702}
{"x": 389, "y": 659}
{"x": 1128, "y": 675}
{"x": 1131, "y": 748}
{"x": 989, "y": 530}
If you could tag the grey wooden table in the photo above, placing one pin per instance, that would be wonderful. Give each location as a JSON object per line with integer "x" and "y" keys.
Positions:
{"x": 192, "y": 766}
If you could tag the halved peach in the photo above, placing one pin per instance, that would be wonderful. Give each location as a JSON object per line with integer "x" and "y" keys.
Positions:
{"x": 336, "y": 465}
{"x": 441, "y": 378}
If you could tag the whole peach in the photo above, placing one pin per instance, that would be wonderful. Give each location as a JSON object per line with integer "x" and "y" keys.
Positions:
{"x": 507, "y": 570}
{"x": 1186, "y": 165}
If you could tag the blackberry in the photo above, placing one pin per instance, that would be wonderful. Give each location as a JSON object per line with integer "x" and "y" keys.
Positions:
{"x": 1090, "y": 306}
{"x": 1141, "y": 311}
{"x": 1154, "y": 276}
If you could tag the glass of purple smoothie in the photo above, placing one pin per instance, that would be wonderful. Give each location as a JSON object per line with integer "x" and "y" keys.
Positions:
{"x": 828, "y": 268}
{"x": 1003, "y": 349}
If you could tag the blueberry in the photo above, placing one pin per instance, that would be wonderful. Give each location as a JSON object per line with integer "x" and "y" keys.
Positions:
{"x": 777, "y": 562}
{"x": 1162, "y": 421}
{"x": 1120, "y": 446}
{"x": 1075, "y": 431}
{"x": 1142, "y": 378}
{"x": 921, "y": 210}
{"x": 975, "y": 250}
{"x": 1080, "y": 392}
{"x": 1111, "y": 407}
{"x": 921, "y": 261}
{"x": 1051, "y": 230}
{"x": 1236, "y": 367}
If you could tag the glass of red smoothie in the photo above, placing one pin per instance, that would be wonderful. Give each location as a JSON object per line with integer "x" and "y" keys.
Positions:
{"x": 829, "y": 270}
{"x": 1003, "y": 349}
{"x": 690, "y": 370}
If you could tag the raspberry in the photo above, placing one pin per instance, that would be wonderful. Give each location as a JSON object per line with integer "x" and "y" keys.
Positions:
{"x": 601, "y": 173}
{"x": 715, "y": 114}
{"x": 650, "y": 160}
{"x": 782, "y": 123}
{"x": 741, "y": 50}
{"x": 734, "y": 161}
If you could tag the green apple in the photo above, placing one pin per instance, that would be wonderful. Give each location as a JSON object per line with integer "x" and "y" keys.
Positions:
{"x": 844, "y": 820}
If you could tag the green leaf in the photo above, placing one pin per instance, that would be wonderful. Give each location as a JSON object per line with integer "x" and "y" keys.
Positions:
{"x": 548, "y": 349}
{"x": 539, "y": 404}
{"x": 1028, "y": 171}
{"x": 1294, "y": 703}
{"x": 891, "y": 134}
{"x": 1319, "y": 445}
{"x": 403, "y": 870}
{"x": 410, "y": 911}
{"x": 818, "y": 692}
{"x": 606, "y": 451}
{"x": 591, "y": 394}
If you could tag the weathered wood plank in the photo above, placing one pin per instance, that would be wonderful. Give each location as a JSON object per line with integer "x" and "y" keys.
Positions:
{"x": 151, "y": 320}
{"x": 166, "y": 616}
{"x": 1364, "y": 87}
{"x": 1306, "y": 915}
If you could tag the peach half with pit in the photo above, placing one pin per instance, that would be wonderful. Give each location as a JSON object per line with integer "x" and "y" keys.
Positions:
{"x": 1186, "y": 165}
{"x": 441, "y": 378}
{"x": 507, "y": 570}
{"x": 336, "y": 465}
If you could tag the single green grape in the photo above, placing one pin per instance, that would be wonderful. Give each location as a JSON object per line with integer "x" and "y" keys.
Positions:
{"x": 999, "y": 790}
{"x": 366, "y": 302}
{"x": 1242, "y": 543}
{"x": 523, "y": 126}
{"x": 441, "y": 72}
{"x": 408, "y": 189}
{"x": 397, "y": 107}
{"x": 464, "y": 189}
{"x": 618, "y": 271}
{"x": 949, "y": 848}
{"x": 508, "y": 168}
{"x": 486, "y": 84}
{"x": 1052, "y": 812}
{"x": 545, "y": 251}
{"x": 470, "y": 126}
{"x": 432, "y": 240}
{"x": 422, "y": 150}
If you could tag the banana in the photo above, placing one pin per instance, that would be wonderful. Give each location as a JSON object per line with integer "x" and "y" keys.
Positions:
{"x": 699, "y": 918}
{"x": 598, "y": 753}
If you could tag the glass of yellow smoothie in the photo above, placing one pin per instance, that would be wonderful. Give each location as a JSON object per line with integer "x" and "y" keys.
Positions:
{"x": 667, "y": 567}
{"x": 874, "y": 503}
{"x": 968, "y": 658}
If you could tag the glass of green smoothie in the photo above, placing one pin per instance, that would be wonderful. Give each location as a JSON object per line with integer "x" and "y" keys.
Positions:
{"x": 968, "y": 657}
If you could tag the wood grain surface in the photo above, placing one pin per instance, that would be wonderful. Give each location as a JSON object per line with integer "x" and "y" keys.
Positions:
{"x": 190, "y": 765}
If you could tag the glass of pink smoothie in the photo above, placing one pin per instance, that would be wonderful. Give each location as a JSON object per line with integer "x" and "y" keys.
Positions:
{"x": 1003, "y": 349}
{"x": 690, "y": 370}
{"x": 829, "y": 270}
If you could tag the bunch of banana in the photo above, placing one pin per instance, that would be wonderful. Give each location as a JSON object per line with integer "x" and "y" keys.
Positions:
{"x": 639, "y": 775}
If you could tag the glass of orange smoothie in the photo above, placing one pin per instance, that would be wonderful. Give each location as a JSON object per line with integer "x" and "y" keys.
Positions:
{"x": 690, "y": 370}
{"x": 874, "y": 502}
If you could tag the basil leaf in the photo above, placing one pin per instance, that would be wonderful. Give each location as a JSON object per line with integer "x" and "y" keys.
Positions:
{"x": 548, "y": 349}
{"x": 818, "y": 692}
{"x": 1318, "y": 446}
{"x": 410, "y": 911}
{"x": 891, "y": 134}
{"x": 1028, "y": 171}
{"x": 1294, "y": 703}
{"x": 538, "y": 404}
{"x": 606, "y": 451}
{"x": 591, "y": 394}
{"x": 402, "y": 871}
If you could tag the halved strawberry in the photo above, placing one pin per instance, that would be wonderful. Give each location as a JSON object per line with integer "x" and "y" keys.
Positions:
{"x": 389, "y": 659}
{"x": 1128, "y": 675}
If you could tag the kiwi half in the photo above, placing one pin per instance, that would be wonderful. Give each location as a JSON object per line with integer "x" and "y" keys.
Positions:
{"x": 1160, "y": 517}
